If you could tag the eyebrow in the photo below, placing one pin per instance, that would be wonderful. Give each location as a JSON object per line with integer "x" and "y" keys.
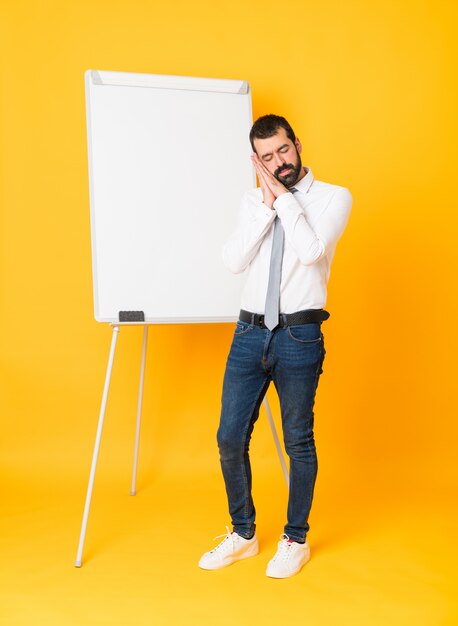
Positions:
{"x": 285, "y": 145}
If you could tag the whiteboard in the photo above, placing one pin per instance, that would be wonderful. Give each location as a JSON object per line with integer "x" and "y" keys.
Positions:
{"x": 169, "y": 161}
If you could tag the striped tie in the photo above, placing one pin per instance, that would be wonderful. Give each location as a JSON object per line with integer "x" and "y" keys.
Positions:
{"x": 272, "y": 308}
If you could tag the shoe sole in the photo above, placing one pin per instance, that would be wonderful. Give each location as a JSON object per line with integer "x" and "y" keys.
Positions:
{"x": 253, "y": 551}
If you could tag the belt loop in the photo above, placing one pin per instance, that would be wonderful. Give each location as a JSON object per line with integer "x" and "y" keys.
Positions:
{"x": 284, "y": 318}
{"x": 252, "y": 319}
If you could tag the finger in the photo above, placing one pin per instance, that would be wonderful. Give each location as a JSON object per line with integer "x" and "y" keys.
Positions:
{"x": 257, "y": 161}
{"x": 266, "y": 171}
{"x": 262, "y": 182}
{"x": 262, "y": 179}
{"x": 263, "y": 176}
{"x": 259, "y": 170}
{"x": 263, "y": 173}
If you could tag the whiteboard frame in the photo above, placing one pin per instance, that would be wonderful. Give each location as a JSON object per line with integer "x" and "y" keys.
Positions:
{"x": 157, "y": 81}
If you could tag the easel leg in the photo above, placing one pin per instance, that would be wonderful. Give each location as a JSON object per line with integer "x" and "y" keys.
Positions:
{"x": 97, "y": 446}
{"x": 139, "y": 411}
{"x": 277, "y": 442}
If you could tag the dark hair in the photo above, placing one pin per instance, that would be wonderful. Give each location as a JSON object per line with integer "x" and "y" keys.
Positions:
{"x": 267, "y": 126}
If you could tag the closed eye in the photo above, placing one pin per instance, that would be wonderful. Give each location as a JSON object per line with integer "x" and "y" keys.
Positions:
{"x": 281, "y": 149}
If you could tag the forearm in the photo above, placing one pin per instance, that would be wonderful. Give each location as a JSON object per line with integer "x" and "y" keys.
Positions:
{"x": 243, "y": 245}
{"x": 311, "y": 244}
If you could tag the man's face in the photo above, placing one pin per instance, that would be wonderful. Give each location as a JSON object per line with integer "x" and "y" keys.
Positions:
{"x": 281, "y": 157}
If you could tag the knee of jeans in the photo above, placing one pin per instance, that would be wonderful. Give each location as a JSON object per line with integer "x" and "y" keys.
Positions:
{"x": 300, "y": 448}
{"x": 230, "y": 445}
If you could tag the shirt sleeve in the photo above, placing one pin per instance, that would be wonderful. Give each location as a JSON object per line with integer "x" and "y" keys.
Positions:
{"x": 311, "y": 244}
{"x": 254, "y": 222}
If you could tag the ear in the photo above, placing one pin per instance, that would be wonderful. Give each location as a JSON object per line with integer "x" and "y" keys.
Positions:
{"x": 298, "y": 145}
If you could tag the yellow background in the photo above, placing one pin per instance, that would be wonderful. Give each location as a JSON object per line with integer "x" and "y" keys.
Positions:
{"x": 371, "y": 90}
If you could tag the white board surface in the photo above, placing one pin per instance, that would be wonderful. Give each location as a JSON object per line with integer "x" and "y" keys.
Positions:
{"x": 169, "y": 161}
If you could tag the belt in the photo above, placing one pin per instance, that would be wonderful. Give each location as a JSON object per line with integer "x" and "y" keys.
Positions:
{"x": 309, "y": 316}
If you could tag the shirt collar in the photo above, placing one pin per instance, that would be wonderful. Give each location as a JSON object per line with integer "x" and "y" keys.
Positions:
{"x": 306, "y": 182}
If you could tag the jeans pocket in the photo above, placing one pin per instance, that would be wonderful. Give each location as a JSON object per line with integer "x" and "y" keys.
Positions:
{"x": 305, "y": 333}
{"x": 241, "y": 328}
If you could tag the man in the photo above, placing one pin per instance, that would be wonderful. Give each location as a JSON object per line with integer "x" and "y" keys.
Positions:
{"x": 285, "y": 240}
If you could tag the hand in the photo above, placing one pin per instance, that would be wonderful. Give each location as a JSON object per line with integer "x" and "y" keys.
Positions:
{"x": 267, "y": 195}
{"x": 271, "y": 187}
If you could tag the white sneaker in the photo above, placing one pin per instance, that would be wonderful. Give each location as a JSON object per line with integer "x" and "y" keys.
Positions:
{"x": 232, "y": 548}
{"x": 289, "y": 558}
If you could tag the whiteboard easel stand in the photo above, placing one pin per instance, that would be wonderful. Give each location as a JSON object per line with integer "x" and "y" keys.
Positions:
{"x": 98, "y": 437}
{"x": 133, "y": 489}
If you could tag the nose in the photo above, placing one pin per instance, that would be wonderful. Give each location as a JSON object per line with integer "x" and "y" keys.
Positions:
{"x": 279, "y": 159}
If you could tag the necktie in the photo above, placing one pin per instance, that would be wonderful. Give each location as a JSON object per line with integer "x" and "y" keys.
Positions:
{"x": 272, "y": 308}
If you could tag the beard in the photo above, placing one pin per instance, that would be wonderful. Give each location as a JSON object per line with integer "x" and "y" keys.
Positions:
{"x": 291, "y": 178}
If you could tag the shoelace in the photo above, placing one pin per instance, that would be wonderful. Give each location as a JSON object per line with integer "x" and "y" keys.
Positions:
{"x": 284, "y": 548}
{"x": 226, "y": 542}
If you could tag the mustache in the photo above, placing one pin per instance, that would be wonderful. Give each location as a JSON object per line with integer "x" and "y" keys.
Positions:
{"x": 283, "y": 168}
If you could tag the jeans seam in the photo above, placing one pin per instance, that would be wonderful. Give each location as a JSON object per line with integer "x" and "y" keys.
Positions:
{"x": 317, "y": 376}
{"x": 245, "y": 477}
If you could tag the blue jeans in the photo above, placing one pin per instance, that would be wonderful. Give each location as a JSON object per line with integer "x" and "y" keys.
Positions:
{"x": 291, "y": 357}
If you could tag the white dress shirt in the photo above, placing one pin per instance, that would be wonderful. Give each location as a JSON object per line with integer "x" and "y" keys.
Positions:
{"x": 313, "y": 219}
